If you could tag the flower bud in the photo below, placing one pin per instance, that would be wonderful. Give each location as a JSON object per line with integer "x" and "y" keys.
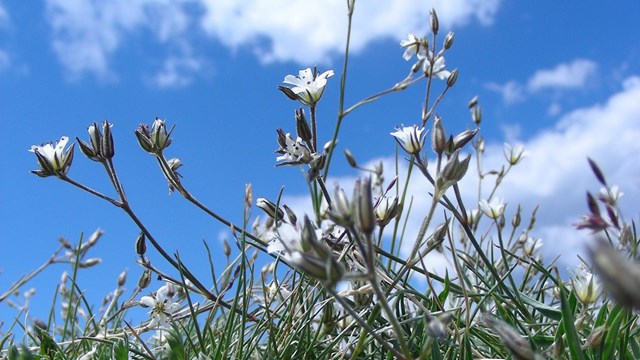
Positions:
{"x": 302, "y": 127}
{"x": 476, "y": 115}
{"x": 438, "y": 136}
{"x": 350, "y": 158}
{"x": 270, "y": 208}
{"x": 90, "y": 263}
{"x": 453, "y": 171}
{"x": 448, "y": 40}
{"x": 435, "y": 24}
{"x": 366, "y": 217}
{"x": 141, "y": 245}
{"x": 515, "y": 343}
{"x": 122, "y": 278}
{"x": 452, "y": 78}
{"x": 145, "y": 279}
{"x": 293, "y": 219}
{"x": 341, "y": 211}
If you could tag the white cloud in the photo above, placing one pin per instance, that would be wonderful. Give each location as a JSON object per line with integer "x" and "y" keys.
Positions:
{"x": 555, "y": 173}
{"x": 87, "y": 33}
{"x": 573, "y": 75}
{"x": 564, "y": 76}
{"x": 4, "y": 15}
{"x": 311, "y": 31}
{"x": 177, "y": 71}
{"x": 510, "y": 91}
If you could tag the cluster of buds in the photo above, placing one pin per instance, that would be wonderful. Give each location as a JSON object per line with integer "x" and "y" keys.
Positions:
{"x": 431, "y": 64}
{"x": 305, "y": 252}
{"x": 156, "y": 140}
{"x": 101, "y": 142}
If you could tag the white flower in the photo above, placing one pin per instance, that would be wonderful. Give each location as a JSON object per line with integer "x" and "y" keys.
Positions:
{"x": 585, "y": 286}
{"x": 162, "y": 307}
{"x": 292, "y": 151}
{"x": 437, "y": 69}
{"x": 611, "y": 195}
{"x": 89, "y": 355}
{"x": 493, "y": 209}
{"x": 410, "y": 138}
{"x": 531, "y": 246}
{"x": 514, "y": 154}
{"x": 307, "y": 87}
{"x": 53, "y": 160}
{"x": 412, "y": 46}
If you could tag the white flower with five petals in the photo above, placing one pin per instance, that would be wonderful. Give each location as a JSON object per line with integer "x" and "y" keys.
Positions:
{"x": 410, "y": 138}
{"x": 308, "y": 86}
{"x": 494, "y": 208}
{"x": 53, "y": 159}
{"x": 162, "y": 308}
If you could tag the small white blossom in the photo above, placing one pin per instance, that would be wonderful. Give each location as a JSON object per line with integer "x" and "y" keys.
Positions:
{"x": 514, "y": 154}
{"x": 307, "y": 87}
{"x": 531, "y": 246}
{"x": 436, "y": 67}
{"x": 494, "y": 208}
{"x": 293, "y": 151}
{"x": 410, "y": 138}
{"x": 412, "y": 46}
{"x": 53, "y": 159}
{"x": 162, "y": 308}
{"x": 585, "y": 285}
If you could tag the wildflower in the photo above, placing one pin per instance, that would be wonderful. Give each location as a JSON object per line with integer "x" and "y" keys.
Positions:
{"x": 293, "y": 152}
{"x": 531, "y": 246}
{"x": 53, "y": 160}
{"x": 436, "y": 67}
{"x": 514, "y": 154}
{"x": 494, "y": 208}
{"x": 585, "y": 286}
{"x": 610, "y": 195}
{"x": 413, "y": 46}
{"x": 302, "y": 250}
{"x": 386, "y": 210}
{"x": 155, "y": 141}
{"x": 453, "y": 172}
{"x": 162, "y": 307}
{"x": 308, "y": 86}
{"x": 410, "y": 138}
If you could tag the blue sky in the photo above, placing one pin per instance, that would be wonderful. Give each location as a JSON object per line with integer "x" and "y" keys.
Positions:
{"x": 562, "y": 78}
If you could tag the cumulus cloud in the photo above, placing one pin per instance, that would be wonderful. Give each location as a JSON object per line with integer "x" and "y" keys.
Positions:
{"x": 564, "y": 76}
{"x": 555, "y": 174}
{"x": 87, "y": 33}
{"x": 311, "y": 31}
{"x": 177, "y": 71}
{"x": 571, "y": 75}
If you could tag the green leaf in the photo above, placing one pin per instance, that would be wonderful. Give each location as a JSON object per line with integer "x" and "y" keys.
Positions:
{"x": 573, "y": 340}
{"x": 544, "y": 309}
{"x": 613, "y": 329}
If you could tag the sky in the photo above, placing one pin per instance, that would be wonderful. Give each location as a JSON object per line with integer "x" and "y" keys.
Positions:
{"x": 560, "y": 78}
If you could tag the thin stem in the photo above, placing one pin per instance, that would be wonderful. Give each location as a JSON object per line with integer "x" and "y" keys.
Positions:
{"x": 343, "y": 82}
